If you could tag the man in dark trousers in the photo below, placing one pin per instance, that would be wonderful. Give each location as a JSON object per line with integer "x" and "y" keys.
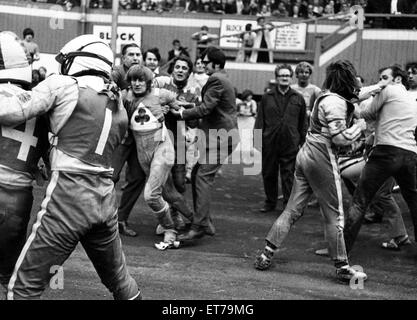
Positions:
{"x": 283, "y": 121}
{"x": 126, "y": 152}
{"x": 218, "y": 127}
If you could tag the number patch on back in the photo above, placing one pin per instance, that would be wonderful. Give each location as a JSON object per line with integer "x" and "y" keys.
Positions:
{"x": 26, "y": 138}
{"x": 104, "y": 132}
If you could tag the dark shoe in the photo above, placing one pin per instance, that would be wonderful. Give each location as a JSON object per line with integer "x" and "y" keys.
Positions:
{"x": 264, "y": 260}
{"x": 395, "y": 244}
{"x": 372, "y": 218}
{"x": 125, "y": 230}
{"x": 267, "y": 208}
{"x": 191, "y": 234}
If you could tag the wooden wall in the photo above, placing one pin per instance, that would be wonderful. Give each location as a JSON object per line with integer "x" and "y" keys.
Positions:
{"x": 378, "y": 48}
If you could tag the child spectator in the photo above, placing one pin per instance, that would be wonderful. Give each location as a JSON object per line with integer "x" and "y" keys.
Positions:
{"x": 42, "y": 73}
{"x": 248, "y": 106}
{"x": 31, "y": 47}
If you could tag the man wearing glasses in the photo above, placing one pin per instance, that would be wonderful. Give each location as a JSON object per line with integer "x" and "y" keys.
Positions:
{"x": 283, "y": 120}
{"x": 394, "y": 153}
{"x": 218, "y": 136}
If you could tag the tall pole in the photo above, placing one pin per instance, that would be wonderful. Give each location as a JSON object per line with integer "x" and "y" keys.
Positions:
{"x": 115, "y": 14}
{"x": 317, "y": 54}
{"x": 83, "y": 16}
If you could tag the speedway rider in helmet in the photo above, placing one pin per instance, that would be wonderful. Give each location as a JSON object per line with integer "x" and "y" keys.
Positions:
{"x": 21, "y": 146}
{"x": 87, "y": 121}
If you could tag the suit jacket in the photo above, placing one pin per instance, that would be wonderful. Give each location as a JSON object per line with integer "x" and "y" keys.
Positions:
{"x": 218, "y": 109}
{"x": 171, "y": 53}
{"x": 118, "y": 75}
{"x": 284, "y": 127}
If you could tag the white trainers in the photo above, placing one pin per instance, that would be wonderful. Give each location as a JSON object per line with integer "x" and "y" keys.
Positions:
{"x": 170, "y": 240}
{"x": 164, "y": 246}
{"x": 347, "y": 273}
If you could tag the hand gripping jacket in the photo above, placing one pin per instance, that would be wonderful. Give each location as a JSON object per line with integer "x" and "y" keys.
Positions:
{"x": 94, "y": 141}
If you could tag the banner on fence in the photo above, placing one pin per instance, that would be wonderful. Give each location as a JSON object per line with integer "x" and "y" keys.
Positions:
{"x": 288, "y": 38}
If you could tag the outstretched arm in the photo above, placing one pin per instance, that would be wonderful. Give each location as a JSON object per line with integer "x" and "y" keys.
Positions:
{"x": 53, "y": 91}
{"x": 211, "y": 99}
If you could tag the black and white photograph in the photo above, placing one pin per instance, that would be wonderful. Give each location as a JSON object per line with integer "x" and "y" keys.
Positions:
{"x": 213, "y": 156}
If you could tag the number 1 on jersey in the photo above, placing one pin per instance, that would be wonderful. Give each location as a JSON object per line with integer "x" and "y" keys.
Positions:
{"x": 104, "y": 132}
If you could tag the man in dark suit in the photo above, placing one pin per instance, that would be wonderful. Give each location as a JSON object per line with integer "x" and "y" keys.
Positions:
{"x": 283, "y": 121}
{"x": 218, "y": 136}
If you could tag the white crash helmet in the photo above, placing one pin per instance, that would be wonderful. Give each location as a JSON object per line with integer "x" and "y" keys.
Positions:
{"x": 86, "y": 55}
{"x": 14, "y": 64}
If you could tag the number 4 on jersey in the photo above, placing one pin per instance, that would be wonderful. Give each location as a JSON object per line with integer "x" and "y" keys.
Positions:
{"x": 26, "y": 138}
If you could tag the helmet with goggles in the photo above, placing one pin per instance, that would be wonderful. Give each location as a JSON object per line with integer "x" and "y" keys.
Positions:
{"x": 86, "y": 55}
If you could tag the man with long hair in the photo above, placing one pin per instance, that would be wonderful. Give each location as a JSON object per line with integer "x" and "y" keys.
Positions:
{"x": 394, "y": 153}
{"x": 332, "y": 128}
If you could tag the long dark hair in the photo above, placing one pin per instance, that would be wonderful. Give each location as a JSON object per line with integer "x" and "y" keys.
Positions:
{"x": 341, "y": 79}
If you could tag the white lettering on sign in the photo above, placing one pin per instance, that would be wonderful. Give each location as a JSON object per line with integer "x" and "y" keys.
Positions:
{"x": 26, "y": 138}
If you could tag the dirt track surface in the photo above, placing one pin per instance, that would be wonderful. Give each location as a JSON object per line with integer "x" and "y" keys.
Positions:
{"x": 221, "y": 267}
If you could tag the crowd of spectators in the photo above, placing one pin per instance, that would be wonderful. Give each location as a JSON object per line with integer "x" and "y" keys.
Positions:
{"x": 278, "y": 8}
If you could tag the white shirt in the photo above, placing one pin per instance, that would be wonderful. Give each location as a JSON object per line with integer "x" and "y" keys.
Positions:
{"x": 395, "y": 111}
